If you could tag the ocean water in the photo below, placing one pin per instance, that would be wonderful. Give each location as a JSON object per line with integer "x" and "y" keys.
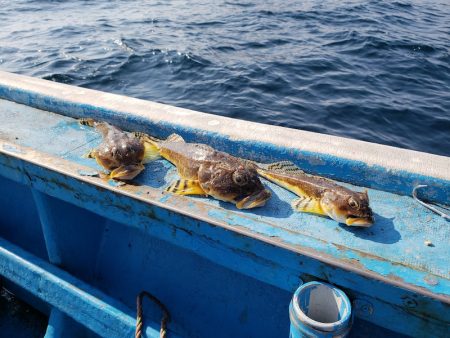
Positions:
{"x": 371, "y": 70}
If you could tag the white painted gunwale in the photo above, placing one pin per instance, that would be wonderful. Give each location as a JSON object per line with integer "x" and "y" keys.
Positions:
{"x": 391, "y": 158}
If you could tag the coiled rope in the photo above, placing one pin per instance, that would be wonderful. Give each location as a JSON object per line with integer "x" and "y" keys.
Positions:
{"x": 139, "y": 316}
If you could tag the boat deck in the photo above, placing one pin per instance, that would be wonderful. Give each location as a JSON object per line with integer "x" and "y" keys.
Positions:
{"x": 117, "y": 240}
{"x": 392, "y": 249}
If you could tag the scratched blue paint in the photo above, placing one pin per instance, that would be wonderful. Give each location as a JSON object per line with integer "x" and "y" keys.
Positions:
{"x": 114, "y": 183}
{"x": 287, "y": 263}
{"x": 147, "y": 244}
{"x": 356, "y": 172}
{"x": 61, "y": 325}
{"x": 12, "y": 149}
{"x": 394, "y": 213}
{"x": 61, "y": 133}
{"x": 87, "y": 172}
{"x": 86, "y": 305}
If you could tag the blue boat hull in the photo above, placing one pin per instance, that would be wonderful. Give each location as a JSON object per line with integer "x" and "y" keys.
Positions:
{"x": 81, "y": 249}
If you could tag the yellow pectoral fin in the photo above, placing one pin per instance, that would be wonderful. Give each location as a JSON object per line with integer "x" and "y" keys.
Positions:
{"x": 307, "y": 204}
{"x": 126, "y": 172}
{"x": 186, "y": 187}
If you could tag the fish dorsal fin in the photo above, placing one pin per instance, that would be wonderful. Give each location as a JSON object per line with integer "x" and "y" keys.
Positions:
{"x": 282, "y": 167}
{"x": 175, "y": 138}
{"x": 87, "y": 122}
{"x": 145, "y": 137}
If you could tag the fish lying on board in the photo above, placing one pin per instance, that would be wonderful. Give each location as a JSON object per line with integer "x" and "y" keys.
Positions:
{"x": 120, "y": 152}
{"x": 319, "y": 195}
{"x": 206, "y": 171}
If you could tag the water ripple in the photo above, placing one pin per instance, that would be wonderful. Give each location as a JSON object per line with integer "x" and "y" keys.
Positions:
{"x": 372, "y": 70}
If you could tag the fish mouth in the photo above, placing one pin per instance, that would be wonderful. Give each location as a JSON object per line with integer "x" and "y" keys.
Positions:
{"x": 359, "y": 221}
{"x": 255, "y": 200}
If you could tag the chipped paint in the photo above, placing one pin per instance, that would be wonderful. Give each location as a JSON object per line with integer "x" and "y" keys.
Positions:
{"x": 273, "y": 245}
{"x": 87, "y": 173}
{"x": 117, "y": 208}
{"x": 363, "y": 163}
{"x": 94, "y": 309}
{"x": 13, "y": 149}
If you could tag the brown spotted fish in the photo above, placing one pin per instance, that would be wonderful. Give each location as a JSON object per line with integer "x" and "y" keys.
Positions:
{"x": 120, "y": 152}
{"x": 206, "y": 171}
{"x": 319, "y": 195}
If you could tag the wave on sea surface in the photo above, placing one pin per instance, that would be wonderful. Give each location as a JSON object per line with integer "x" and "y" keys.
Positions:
{"x": 372, "y": 70}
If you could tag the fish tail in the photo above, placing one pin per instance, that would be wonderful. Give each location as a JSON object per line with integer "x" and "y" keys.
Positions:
{"x": 151, "y": 152}
{"x": 151, "y": 146}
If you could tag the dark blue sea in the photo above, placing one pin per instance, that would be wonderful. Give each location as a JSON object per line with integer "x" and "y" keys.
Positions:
{"x": 372, "y": 70}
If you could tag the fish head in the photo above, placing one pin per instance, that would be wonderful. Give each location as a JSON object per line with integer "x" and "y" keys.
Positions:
{"x": 119, "y": 149}
{"x": 238, "y": 184}
{"x": 348, "y": 207}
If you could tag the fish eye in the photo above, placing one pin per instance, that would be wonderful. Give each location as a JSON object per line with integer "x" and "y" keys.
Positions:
{"x": 239, "y": 178}
{"x": 353, "y": 203}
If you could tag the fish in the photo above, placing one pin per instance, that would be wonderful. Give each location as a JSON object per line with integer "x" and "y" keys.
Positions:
{"x": 319, "y": 195}
{"x": 206, "y": 171}
{"x": 121, "y": 153}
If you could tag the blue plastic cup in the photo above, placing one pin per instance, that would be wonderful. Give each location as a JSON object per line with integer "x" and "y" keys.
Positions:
{"x": 320, "y": 310}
